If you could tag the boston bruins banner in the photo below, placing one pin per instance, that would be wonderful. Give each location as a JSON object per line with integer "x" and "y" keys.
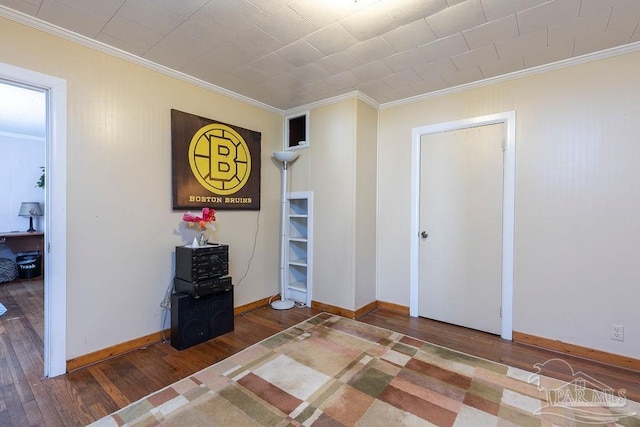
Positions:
{"x": 214, "y": 164}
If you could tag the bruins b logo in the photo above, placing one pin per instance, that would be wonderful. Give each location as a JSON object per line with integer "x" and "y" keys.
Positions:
{"x": 220, "y": 159}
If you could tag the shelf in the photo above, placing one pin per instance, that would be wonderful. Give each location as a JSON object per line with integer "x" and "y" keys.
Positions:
{"x": 298, "y": 286}
{"x": 299, "y": 246}
{"x": 298, "y": 227}
{"x": 298, "y": 239}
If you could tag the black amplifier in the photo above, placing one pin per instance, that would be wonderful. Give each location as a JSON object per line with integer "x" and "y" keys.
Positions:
{"x": 198, "y": 289}
{"x": 203, "y": 263}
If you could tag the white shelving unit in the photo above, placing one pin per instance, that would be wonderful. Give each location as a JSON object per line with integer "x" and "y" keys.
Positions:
{"x": 299, "y": 254}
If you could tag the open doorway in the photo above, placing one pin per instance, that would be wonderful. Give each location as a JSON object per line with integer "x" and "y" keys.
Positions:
{"x": 23, "y": 132}
{"x": 48, "y": 103}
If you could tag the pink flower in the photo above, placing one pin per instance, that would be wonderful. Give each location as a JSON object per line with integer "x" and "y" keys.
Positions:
{"x": 208, "y": 215}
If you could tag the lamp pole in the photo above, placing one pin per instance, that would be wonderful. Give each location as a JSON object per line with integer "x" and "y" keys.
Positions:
{"x": 285, "y": 157}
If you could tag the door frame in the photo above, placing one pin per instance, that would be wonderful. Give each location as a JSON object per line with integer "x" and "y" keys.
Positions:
{"x": 508, "y": 119}
{"x": 55, "y": 211}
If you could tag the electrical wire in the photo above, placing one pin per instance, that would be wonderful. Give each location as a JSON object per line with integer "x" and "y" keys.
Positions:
{"x": 165, "y": 305}
{"x": 253, "y": 251}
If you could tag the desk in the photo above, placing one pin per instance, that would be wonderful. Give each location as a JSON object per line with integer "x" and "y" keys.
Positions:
{"x": 22, "y": 241}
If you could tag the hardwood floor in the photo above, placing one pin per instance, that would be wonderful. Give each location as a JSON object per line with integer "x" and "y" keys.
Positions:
{"x": 83, "y": 396}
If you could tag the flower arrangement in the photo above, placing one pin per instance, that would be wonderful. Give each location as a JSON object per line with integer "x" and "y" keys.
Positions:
{"x": 202, "y": 222}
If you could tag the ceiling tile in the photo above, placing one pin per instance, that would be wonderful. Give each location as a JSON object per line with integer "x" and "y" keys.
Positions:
{"x": 338, "y": 62}
{"x": 233, "y": 83}
{"x": 547, "y": 14}
{"x": 625, "y": 15}
{"x": 522, "y": 44}
{"x": 457, "y": 18}
{"x": 299, "y": 53}
{"x": 285, "y": 82}
{"x": 373, "y": 86}
{"x": 331, "y": 39}
{"x": 369, "y": 22}
{"x": 371, "y": 71}
{"x": 445, "y": 47}
{"x": 269, "y": 7}
{"x": 439, "y": 68}
{"x": 182, "y": 8}
{"x": 461, "y": 77}
{"x": 246, "y": 39}
{"x": 216, "y": 63}
{"x": 309, "y": 73}
{"x": 320, "y": 89}
{"x": 475, "y": 58}
{"x": 70, "y": 18}
{"x": 121, "y": 44}
{"x": 177, "y": 50}
{"x": 28, "y": 7}
{"x": 496, "y": 9}
{"x": 236, "y": 14}
{"x": 397, "y": 93}
{"x": 579, "y": 27}
{"x": 411, "y": 35}
{"x": 131, "y": 32}
{"x": 404, "y": 60}
{"x": 273, "y": 64}
{"x": 101, "y": 9}
{"x": 492, "y": 32}
{"x": 203, "y": 27}
{"x": 590, "y": 6}
{"x": 499, "y": 67}
{"x": 430, "y": 84}
{"x": 636, "y": 35}
{"x": 343, "y": 80}
{"x": 548, "y": 55}
{"x": 286, "y": 26}
{"x": 150, "y": 15}
{"x": 251, "y": 74}
{"x": 402, "y": 78}
{"x": 407, "y": 11}
{"x": 320, "y": 17}
{"x": 611, "y": 38}
{"x": 371, "y": 50}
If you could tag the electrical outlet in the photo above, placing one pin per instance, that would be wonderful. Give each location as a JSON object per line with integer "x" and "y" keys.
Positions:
{"x": 616, "y": 332}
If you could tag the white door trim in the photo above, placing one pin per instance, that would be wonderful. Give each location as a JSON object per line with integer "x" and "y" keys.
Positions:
{"x": 55, "y": 206}
{"x": 508, "y": 215}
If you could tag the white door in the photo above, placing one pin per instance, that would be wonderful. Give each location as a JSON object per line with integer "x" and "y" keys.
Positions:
{"x": 461, "y": 195}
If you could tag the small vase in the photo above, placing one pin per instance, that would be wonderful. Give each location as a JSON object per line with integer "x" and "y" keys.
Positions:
{"x": 202, "y": 240}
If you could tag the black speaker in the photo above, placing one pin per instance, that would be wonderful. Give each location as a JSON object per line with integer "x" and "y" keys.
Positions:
{"x": 196, "y": 320}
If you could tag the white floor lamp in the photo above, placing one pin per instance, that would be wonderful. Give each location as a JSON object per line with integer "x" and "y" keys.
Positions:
{"x": 285, "y": 157}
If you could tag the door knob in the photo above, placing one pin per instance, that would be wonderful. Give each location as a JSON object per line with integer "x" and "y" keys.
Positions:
{"x": 424, "y": 234}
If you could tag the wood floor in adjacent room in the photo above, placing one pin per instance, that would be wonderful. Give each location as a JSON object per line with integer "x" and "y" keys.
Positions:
{"x": 83, "y": 396}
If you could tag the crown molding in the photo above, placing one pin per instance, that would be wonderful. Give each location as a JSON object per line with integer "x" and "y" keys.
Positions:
{"x": 570, "y": 62}
{"x": 38, "y": 24}
{"x": 334, "y": 100}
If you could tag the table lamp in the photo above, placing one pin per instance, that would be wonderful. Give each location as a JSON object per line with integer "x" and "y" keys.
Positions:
{"x": 30, "y": 209}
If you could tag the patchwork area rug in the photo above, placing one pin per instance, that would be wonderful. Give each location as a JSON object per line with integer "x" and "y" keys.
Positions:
{"x": 333, "y": 371}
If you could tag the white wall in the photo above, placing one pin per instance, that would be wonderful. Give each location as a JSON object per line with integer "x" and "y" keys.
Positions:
{"x": 365, "y": 214}
{"x": 577, "y": 236}
{"x": 339, "y": 166}
{"x": 332, "y": 180}
{"x": 121, "y": 230}
{"x": 22, "y": 159}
